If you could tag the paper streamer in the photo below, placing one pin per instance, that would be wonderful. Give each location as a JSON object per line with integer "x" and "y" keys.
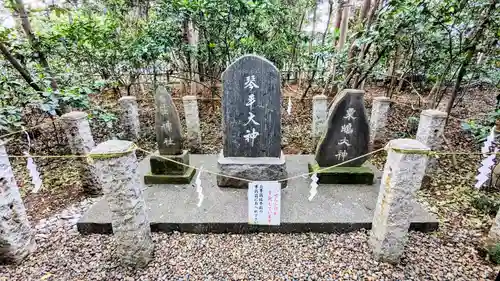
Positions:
{"x": 488, "y": 162}
{"x": 314, "y": 186}
{"x": 289, "y": 108}
{"x": 199, "y": 188}
{"x": 485, "y": 169}
{"x": 31, "y": 166}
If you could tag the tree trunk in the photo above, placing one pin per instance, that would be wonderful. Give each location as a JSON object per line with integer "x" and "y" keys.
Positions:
{"x": 364, "y": 10}
{"x": 473, "y": 40}
{"x": 35, "y": 44}
{"x": 345, "y": 24}
{"x": 192, "y": 36}
{"x": 332, "y": 70}
{"x": 294, "y": 51}
{"x": 311, "y": 80}
{"x": 24, "y": 73}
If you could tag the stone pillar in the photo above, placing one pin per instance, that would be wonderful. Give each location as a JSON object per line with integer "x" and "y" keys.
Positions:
{"x": 117, "y": 165}
{"x": 402, "y": 177}
{"x": 430, "y": 130}
{"x": 80, "y": 140}
{"x": 16, "y": 238}
{"x": 129, "y": 118}
{"x": 191, "y": 114}
{"x": 494, "y": 234}
{"x": 378, "y": 119}
{"x": 320, "y": 114}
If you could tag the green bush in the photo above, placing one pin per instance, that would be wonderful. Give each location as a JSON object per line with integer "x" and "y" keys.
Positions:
{"x": 494, "y": 253}
{"x": 486, "y": 204}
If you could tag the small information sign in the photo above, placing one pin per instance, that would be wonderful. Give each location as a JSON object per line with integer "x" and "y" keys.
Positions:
{"x": 264, "y": 202}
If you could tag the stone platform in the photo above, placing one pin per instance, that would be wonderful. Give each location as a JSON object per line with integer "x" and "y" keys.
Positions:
{"x": 335, "y": 208}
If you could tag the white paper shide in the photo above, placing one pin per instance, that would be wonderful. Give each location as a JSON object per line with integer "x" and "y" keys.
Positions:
{"x": 488, "y": 162}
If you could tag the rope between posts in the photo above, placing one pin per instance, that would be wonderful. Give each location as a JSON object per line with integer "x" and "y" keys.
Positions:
{"x": 135, "y": 147}
{"x": 247, "y": 180}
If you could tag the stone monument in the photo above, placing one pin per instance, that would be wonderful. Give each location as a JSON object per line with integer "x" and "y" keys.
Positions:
{"x": 252, "y": 123}
{"x": 169, "y": 139}
{"x": 347, "y": 137}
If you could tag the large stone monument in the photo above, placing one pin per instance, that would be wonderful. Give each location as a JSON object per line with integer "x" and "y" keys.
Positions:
{"x": 252, "y": 128}
{"x": 347, "y": 137}
{"x": 169, "y": 139}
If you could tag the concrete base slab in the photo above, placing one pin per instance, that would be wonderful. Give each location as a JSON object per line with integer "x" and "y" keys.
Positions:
{"x": 335, "y": 208}
{"x": 342, "y": 175}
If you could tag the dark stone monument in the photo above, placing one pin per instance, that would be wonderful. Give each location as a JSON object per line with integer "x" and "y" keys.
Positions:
{"x": 252, "y": 123}
{"x": 347, "y": 137}
{"x": 169, "y": 139}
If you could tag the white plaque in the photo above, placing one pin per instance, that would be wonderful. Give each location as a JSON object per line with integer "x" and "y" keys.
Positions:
{"x": 264, "y": 202}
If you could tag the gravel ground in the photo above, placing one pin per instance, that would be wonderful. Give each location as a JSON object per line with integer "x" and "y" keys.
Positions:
{"x": 63, "y": 254}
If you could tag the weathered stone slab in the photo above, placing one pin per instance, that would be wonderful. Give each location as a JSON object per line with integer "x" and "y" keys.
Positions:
{"x": 348, "y": 132}
{"x": 254, "y": 168}
{"x": 168, "y": 124}
{"x": 336, "y": 207}
{"x": 252, "y": 108}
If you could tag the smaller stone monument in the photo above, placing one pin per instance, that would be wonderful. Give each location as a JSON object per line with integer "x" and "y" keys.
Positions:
{"x": 169, "y": 139}
{"x": 347, "y": 137}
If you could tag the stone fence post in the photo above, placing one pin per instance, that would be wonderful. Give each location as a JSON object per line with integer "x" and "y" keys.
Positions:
{"x": 494, "y": 234}
{"x": 16, "y": 237}
{"x": 129, "y": 118}
{"x": 80, "y": 140}
{"x": 319, "y": 116}
{"x": 117, "y": 165}
{"x": 430, "y": 131}
{"x": 402, "y": 177}
{"x": 191, "y": 114}
{"x": 378, "y": 119}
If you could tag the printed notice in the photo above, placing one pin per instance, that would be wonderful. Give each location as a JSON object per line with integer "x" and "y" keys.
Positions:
{"x": 264, "y": 202}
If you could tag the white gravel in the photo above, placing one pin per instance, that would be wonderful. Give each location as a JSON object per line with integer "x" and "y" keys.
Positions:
{"x": 63, "y": 254}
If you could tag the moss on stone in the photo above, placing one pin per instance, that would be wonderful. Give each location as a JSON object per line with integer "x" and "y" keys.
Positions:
{"x": 170, "y": 179}
{"x": 342, "y": 175}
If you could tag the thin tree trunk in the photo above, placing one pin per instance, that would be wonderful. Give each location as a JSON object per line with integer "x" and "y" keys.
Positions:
{"x": 294, "y": 50}
{"x": 311, "y": 80}
{"x": 313, "y": 31}
{"x": 473, "y": 40}
{"x": 35, "y": 44}
{"x": 332, "y": 71}
{"x": 192, "y": 37}
{"x": 345, "y": 24}
{"x": 15, "y": 63}
{"x": 311, "y": 39}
